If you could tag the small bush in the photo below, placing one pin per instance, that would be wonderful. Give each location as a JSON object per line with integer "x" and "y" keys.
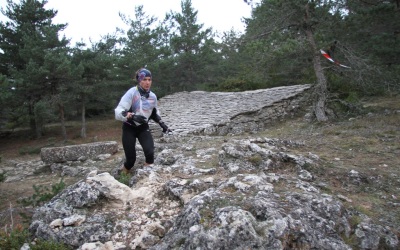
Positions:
{"x": 124, "y": 178}
{"x": 43, "y": 194}
{"x": 29, "y": 150}
{"x": 256, "y": 160}
{"x": 14, "y": 239}
{"x": 19, "y": 236}
{"x": 3, "y": 177}
{"x": 353, "y": 97}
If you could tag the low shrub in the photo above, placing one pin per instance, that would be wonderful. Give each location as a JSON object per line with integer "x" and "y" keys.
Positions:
{"x": 42, "y": 194}
{"x": 19, "y": 236}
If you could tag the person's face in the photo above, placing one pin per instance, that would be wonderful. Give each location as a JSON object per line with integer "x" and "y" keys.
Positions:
{"x": 146, "y": 83}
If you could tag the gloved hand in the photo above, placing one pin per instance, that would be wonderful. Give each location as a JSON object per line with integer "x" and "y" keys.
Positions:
{"x": 165, "y": 130}
{"x": 139, "y": 119}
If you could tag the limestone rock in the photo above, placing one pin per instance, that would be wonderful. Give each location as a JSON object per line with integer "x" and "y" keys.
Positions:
{"x": 76, "y": 152}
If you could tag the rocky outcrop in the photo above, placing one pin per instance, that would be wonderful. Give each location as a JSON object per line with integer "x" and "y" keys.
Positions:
{"x": 222, "y": 113}
{"x": 207, "y": 190}
{"x": 248, "y": 192}
{"x": 77, "y": 152}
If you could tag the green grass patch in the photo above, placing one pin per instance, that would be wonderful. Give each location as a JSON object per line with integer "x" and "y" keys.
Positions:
{"x": 364, "y": 210}
{"x": 124, "y": 178}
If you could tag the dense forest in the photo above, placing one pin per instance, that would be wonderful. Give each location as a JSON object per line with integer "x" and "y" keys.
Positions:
{"x": 44, "y": 79}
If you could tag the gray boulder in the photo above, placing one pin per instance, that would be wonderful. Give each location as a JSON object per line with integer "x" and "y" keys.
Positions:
{"x": 76, "y": 152}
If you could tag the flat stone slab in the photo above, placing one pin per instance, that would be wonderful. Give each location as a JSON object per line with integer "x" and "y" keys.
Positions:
{"x": 186, "y": 112}
{"x": 76, "y": 152}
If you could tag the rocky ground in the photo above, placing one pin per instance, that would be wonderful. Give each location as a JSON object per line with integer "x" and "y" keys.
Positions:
{"x": 360, "y": 154}
{"x": 367, "y": 145}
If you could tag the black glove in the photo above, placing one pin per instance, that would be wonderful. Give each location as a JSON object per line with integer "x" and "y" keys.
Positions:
{"x": 139, "y": 119}
{"x": 165, "y": 130}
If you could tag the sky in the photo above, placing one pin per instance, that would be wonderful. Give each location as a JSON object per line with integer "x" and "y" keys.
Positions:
{"x": 91, "y": 19}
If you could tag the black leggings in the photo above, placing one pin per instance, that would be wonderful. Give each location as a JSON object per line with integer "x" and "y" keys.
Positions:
{"x": 129, "y": 135}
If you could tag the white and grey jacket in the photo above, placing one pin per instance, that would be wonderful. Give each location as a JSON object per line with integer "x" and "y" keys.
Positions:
{"x": 134, "y": 102}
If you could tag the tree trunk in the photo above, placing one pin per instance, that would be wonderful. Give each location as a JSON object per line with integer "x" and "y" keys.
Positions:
{"x": 36, "y": 122}
{"x": 62, "y": 119}
{"x": 321, "y": 86}
{"x": 83, "y": 130}
{"x": 320, "y": 90}
{"x": 31, "y": 119}
{"x": 39, "y": 128}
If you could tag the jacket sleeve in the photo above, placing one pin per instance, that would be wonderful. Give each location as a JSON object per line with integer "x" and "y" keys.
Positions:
{"x": 124, "y": 105}
{"x": 155, "y": 115}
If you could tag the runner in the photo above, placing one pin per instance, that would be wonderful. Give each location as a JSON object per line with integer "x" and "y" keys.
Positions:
{"x": 135, "y": 108}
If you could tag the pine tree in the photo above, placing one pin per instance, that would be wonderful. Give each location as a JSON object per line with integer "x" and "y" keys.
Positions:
{"x": 190, "y": 44}
{"x": 141, "y": 46}
{"x": 93, "y": 73}
{"x": 31, "y": 55}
